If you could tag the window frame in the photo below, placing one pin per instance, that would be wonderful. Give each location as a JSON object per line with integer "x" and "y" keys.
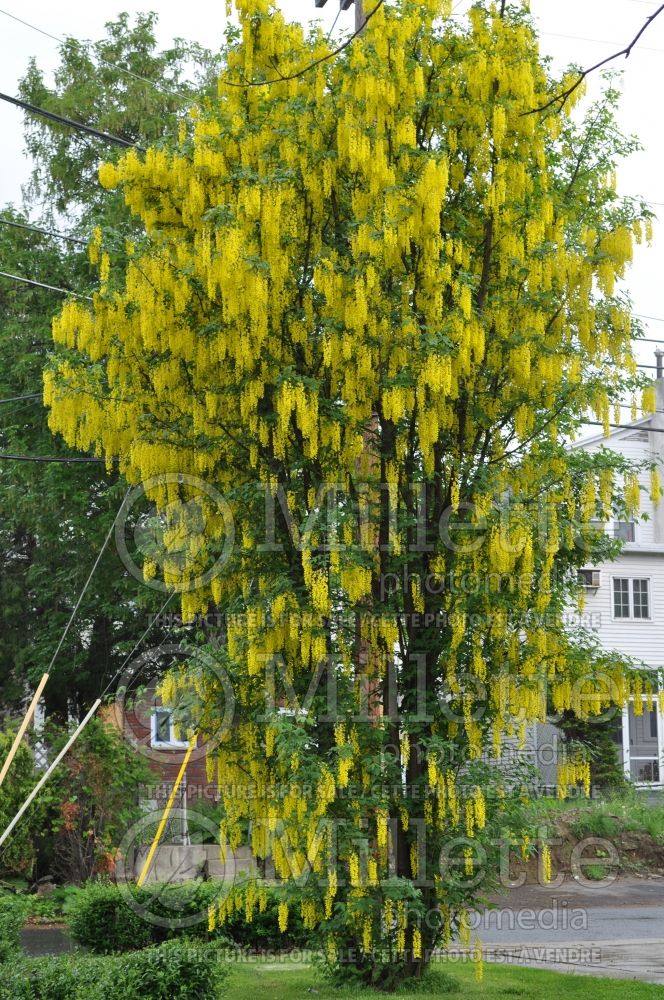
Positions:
{"x": 631, "y": 617}
{"x": 170, "y": 744}
{"x": 627, "y": 541}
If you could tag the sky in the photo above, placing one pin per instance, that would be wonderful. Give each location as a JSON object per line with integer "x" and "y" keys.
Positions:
{"x": 571, "y": 31}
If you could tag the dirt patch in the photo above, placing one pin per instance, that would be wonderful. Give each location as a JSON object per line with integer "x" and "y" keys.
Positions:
{"x": 577, "y": 850}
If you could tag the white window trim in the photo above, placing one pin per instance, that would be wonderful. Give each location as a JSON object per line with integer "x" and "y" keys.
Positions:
{"x": 627, "y": 755}
{"x": 614, "y": 524}
{"x": 630, "y": 617}
{"x": 158, "y": 744}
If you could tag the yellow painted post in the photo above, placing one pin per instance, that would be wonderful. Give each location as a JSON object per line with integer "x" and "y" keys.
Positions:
{"x": 164, "y": 818}
{"x": 24, "y": 725}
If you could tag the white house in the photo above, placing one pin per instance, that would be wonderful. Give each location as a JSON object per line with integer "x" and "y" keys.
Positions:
{"x": 625, "y": 598}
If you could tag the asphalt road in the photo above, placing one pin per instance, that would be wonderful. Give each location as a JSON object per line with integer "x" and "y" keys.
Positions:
{"x": 627, "y": 910}
{"x": 587, "y": 929}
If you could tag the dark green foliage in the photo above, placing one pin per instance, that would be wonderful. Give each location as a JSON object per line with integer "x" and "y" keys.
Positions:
{"x": 97, "y": 83}
{"x": 172, "y": 971}
{"x": 54, "y": 517}
{"x": 598, "y": 739}
{"x": 107, "y": 918}
{"x": 13, "y": 911}
{"x": 99, "y": 919}
{"x": 18, "y": 854}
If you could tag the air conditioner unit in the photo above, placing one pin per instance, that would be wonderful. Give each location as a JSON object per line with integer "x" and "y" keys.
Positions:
{"x": 589, "y": 578}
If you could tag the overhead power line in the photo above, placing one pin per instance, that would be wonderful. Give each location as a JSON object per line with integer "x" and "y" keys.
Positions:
{"x": 41, "y": 284}
{"x": 230, "y": 83}
{"x": 70, "y": 123}
{"x": 16, "y": 399}
{"x": 6, "y": 457}
{"x": 654, "y": 319}
{"x": 44, "y": 232}
{"x": 561, "y": 98}
{"x": 311, "y": 65}
{"x": 109, "y": 62}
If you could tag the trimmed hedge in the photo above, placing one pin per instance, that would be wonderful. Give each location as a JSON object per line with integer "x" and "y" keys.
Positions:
{"x": 104, "y": 918}
{"x": 175, "y": 970}
{"x": 100, "y": 919}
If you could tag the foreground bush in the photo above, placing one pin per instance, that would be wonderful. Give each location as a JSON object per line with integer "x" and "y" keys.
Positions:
{"x": 172, "y": 971}
{"x": 13, "y": 911}
{"x": 100, "y": 919}
{"x": 106, "y": 918}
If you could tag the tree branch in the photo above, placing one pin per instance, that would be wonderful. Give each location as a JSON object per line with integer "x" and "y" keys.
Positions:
{"x": 561, "y": 98}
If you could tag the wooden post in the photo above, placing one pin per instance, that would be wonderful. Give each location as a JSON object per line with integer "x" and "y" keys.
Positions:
{"x": 24, "y": 725}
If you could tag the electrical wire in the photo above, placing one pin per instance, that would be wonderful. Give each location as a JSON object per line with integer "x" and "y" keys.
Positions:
{"x": 133, "y": 651}
{"x": 15, "y": 399}
{"x": 87, "y": 582}
{"x": 561, "y": 98}
{"x": 44, "y": 232}
{"x": 626, "y": 427}
{"x": 6, "y": 457}
{"x": 86, "y": 45}
{"x": 40, "y": 284}
{"x": 312, "y": 65}
{"x": 655, "y": 319}
{"x": 334, "y": 24}
{"x": 594, "y": 41}
{"x": 70, "y": 123}
{"x": 230, "y": 83}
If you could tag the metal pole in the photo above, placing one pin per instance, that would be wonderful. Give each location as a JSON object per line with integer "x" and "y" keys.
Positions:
{"x": 360, "y": 19}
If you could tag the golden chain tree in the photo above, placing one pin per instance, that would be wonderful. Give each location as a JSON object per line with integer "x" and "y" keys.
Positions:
{"x": 377, "y": 297}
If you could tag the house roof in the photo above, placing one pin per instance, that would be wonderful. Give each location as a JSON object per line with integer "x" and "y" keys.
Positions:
{"x": 617, "y": 432}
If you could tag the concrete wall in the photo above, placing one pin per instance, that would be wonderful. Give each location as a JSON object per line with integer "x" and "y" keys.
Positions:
{"x": 177, "y": 863}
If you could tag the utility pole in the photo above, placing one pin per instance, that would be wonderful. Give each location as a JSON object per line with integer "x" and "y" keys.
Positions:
{"x": 360, "y": 19}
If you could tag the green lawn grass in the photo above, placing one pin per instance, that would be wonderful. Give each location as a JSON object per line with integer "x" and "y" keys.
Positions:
{"x": 279, "y": 980}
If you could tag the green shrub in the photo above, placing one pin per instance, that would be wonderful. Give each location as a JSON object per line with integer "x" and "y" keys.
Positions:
{"x": 175, "y": 970}
{"x": 263, "y": 932}
{"x": 13, "y": 911}
{"x": 54, "y": 906}
{"x": 109, "y": 919}
{"x": 14, "y": 982}
{"x": 178, "y": 910}
{"x": 99, "y": 919}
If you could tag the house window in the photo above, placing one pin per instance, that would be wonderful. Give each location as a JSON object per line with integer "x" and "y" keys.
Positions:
{"x": 641, "y": 603}
{"x": 653, "y": 723}
{"x": 621, "y": 598}
{"x": 631, "y": 598}
{"x": 163, "y": 730}
{"x": 625, "y": 530}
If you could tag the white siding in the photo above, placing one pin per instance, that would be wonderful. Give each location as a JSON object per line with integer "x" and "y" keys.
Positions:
{"x": 644, "y": 558}
{"x": 643, "y": 639}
